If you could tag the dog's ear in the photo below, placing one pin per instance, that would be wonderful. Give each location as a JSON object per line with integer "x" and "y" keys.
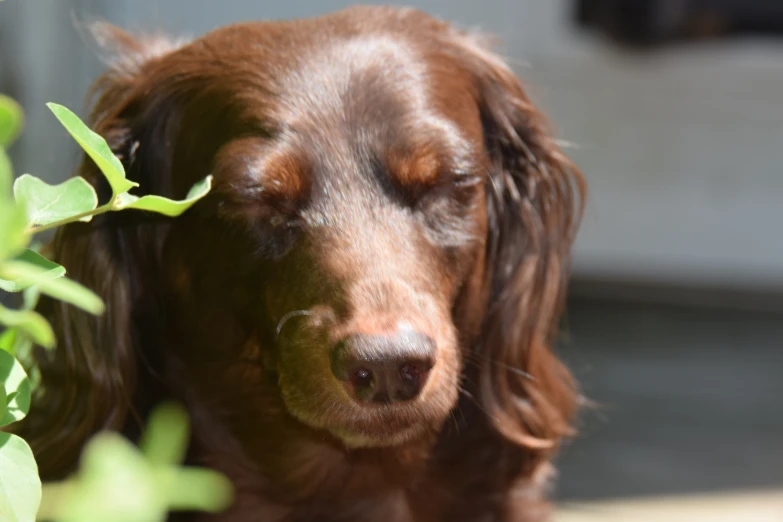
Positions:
{"x": 90, "y": 380}
{"x": 534, "y": 206}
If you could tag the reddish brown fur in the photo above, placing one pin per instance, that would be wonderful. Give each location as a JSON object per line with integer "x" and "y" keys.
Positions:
{"x": 415, "y": 168}
{"x": 372, "y": 167}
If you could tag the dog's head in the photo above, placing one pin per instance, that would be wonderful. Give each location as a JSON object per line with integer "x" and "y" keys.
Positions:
{"x": 390, "y": 223}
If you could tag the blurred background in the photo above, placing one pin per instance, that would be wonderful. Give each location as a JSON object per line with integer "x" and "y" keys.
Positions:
{"x": 674, "y": 111}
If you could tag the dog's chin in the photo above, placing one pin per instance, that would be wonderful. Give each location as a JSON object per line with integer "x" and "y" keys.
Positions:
{"x": 382, "y": 438}
{"x": 356, "y": 431}
{"x": 357, "y": 426}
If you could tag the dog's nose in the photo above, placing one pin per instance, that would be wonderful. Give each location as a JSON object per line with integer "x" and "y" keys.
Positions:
{"x": 383, "y": 369}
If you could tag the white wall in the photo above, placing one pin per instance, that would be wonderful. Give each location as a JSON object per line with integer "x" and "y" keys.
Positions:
{"x": 683, "y": 149}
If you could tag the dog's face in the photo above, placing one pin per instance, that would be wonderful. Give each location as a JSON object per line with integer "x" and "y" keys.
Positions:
{"x": 390, "y": 224}
{"x": 360, "y": 211}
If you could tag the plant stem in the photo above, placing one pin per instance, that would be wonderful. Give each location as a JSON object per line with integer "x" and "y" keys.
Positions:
{"x": 98, "y": 210}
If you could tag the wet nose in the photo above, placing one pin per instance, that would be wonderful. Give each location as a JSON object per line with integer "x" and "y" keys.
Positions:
{"x": 383, "y": 369}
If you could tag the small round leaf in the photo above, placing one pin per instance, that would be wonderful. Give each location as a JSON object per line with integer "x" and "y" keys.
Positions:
{"x": 49, "y": 270}
{"x": 6, "y": 175}
{"x": 11, "y": 120}
{"x": 95, "y": 147}
{"x": 13, "y": 229}
{"x": 115, "y": 483}
{"x": 20, "y": 487}
{"x": 47, "y": 204}
{"x": 165, "y": 440}
{"x": 165, "y": 206}
{"x": 15, "y": 383}
{"x": 60, "y": 288}
{"x": 31, "y": 323}
{"x": 199, "y": 489}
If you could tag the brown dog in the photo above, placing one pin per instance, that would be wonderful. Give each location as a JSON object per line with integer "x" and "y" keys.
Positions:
{"x": 359, "y": 316}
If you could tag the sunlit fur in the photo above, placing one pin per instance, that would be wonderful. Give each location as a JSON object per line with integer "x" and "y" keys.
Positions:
{"x": 374, "y": 169}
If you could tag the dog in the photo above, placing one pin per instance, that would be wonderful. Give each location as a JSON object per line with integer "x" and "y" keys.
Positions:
{"x": 360, "y": 316}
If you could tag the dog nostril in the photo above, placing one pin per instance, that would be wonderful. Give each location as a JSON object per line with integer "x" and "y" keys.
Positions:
{"x": 413, "y": 375}
{"x": 409, "y": 372}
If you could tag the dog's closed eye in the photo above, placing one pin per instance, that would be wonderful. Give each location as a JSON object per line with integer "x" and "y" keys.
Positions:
{"x": 260, "y": 188}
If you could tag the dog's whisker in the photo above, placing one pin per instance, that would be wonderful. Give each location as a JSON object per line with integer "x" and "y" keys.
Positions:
{"x": 286, "y": 317}
{"x": 479, "y": 357}
{"x": 476, "y": 402}
{"x": 461, "y": 414}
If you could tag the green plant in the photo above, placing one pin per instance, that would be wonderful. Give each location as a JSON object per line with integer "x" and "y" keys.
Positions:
{"x": 122, "y": 483}
{"x": 116, "y": 481}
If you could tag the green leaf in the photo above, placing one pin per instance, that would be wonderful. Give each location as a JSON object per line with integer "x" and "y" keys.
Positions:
{"x": 15, "y": 342}
{"x": 8, "y": 340}
{"x": 96, "y": 147}
{"x": 13, "y": 229}
{"x": 62, "y": 288}
{"x": 198, "y": 489}
{"x": 166, "y": 438}
{"x": 30, "y": 322}
{"x": 6, "y": 175}
{"x": 46, "y": 204}
{"x": 11, "y": 120}
{"x": 15, "y": 383}
{"x": 20, "y": 487}
{"x": 161, "y": 205}
{"x": 49, "y": 270}
{"x": 114, "y": 483}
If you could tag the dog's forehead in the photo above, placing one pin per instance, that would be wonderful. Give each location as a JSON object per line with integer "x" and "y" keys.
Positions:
{"x": 354, "y": 80}
{"x": 357, "y": 96}
{"x": 320, "y": 78}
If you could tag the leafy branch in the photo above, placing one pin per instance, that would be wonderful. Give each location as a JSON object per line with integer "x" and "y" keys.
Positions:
{"x": 116, "y": 481}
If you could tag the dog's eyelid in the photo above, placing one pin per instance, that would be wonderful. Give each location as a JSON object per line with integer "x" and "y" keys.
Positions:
{"x": 454, "y": 179}
{"x": 448, "y": 187}
{"x": 266, "y": 191}
{"x": 467, "y": 180}
{"x": 254, "y": 203}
